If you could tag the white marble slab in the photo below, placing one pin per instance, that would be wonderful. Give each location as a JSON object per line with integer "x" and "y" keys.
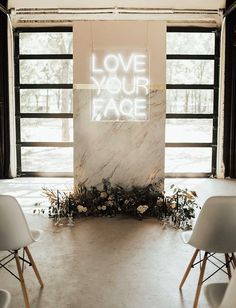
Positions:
{"x": 128, "y": 153}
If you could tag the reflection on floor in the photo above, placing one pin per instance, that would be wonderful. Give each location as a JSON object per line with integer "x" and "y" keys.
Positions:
{"x": 107, "y": 262}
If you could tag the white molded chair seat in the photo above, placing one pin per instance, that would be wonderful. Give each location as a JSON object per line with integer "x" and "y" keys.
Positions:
{"x": 5, "y": 298}
{"x": 222, "y": 295}
{"x": 15, "y": 235}
{"x": 214, "y": 232}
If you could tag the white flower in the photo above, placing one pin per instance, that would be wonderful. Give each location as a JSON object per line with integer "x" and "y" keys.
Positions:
{"x": 81, "y": 208}
{"x": 142, "y": 208}
{"x": 103, "y": 194}
{"x": 104, "y": 208}
{"x": 99, "y": 207}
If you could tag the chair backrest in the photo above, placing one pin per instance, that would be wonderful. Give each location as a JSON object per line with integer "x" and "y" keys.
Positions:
{"x": 215, "y": 228}
{"x": 5, "y": 298}
{"x": 14, "y": 230}
{"x": 229, "y": 299}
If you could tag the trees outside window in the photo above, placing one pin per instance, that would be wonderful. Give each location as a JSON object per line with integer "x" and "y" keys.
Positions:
{"x": 191, "y": 102}
{"x": 44, "y": 108}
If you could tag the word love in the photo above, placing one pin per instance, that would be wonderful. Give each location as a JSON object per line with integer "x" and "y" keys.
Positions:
{"x": 121, "y": 87}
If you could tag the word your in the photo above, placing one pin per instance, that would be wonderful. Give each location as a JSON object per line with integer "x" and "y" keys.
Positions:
{"x": 120, "y": 88}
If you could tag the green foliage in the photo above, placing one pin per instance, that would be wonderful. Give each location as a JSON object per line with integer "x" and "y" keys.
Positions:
{"x": 178, "y": 208}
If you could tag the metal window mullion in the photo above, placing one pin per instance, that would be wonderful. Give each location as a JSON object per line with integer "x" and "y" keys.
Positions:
{"x": 46, "y": 144}
{"x": 17, "y": 100}
{"x": 189, "y": 57}
{"x": 216, "y": 101}
{"x": 45, "y": 56}
{"x": 190, "y": 86}
{"x": 188, "y": 144}
{"x": 190, "y": 29}
{"x": 46, "y": 174}
{"x": 46, "y": 86}
{"x": 189, "y": 115}
{"x": 46, "y": 115}
{"x": 44, "y": 29}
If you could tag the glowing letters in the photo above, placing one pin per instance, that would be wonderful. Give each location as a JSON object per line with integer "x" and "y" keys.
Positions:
{"x": 120, "y": 87}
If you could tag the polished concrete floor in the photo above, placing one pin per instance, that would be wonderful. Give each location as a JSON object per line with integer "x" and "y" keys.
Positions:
{"x": 107, "y": 262}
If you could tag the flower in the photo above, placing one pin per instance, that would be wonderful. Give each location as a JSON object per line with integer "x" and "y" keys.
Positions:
{"x": 82, "y": 208}
{"x": 99, "y": 207}
{"x": 103, "y": 195}
{"x": 104, "y": 208}
{"x": 142, "y": 208}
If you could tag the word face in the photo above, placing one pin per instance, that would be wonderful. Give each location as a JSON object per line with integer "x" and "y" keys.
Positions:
{"x": 120, "y": 87}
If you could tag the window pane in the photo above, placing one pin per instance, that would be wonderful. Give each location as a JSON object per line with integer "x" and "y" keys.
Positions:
{"x": 46, "y": 43}
{"x": 190, "y": 43}
{"x": 40, "y": 130}
{"x": 189, "y": 130}
{"x": 188, "y": 160}
{"x": 46, "y": 71}
{"x": 43, "y": 159}
{"x": 189, "y": 101}
{"x": 46, "y": 100}
{"x": 190, "y": 71}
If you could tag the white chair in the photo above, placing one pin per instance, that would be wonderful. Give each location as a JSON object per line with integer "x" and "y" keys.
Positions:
{"x": 222, "y": 295}
{"x": 5, "y": 298}
{"x": 15, "y": 235}
{"x": 214, "y": 232}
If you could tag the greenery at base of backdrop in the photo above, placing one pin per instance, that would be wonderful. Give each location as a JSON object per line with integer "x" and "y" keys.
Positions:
{"x": 177, "y": 209}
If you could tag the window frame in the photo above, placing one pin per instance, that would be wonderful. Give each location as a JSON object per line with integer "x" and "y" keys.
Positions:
{"x": 20, "y": 115}
{"x": 213, "y": 116}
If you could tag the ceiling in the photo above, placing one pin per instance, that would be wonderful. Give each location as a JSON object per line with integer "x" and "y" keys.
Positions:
{"x": 161, "y": 4}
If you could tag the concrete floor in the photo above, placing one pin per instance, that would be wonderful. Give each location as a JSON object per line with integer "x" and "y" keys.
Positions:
{"x": 107, "y": 262}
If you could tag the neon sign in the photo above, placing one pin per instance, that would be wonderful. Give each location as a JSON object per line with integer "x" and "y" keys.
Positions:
{"x": 120, "y": 87}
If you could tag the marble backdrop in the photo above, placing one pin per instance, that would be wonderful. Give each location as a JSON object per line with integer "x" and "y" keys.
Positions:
{"x": 128, "y": 153}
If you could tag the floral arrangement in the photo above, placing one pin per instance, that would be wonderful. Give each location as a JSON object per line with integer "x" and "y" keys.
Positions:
{"x": 178, "y": 208}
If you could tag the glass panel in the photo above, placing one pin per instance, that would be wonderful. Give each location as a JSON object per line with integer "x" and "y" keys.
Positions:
{"x": 46, "y": 43}
{"x": 189, "y": 130}
{"x": 189, "y": 101}
{"x": 46, "y": 71}
{"x": 188, "y": 160}
{"x": 190, "y": 71}
{"x": 47, "y": 159}
{"x": 196, "y": 43}
{"x": 46, "y": 130}
{"x": 46, "y": 100}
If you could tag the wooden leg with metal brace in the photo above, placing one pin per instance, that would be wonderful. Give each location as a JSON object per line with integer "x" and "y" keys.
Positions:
{"x": 34, "y": 266}
{"x": 227, "y": 260}
{"x": 234, "y": 259}
{"x": 189, "y": 268}
{"x": 22, "y": 281}
{"x": 199, "y": 285}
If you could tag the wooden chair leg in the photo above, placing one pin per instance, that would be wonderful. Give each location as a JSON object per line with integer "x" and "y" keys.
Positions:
{"x": 228, "y": 265}
{"x": 22, "y": 281}
{"x": 200, "y": 279}
{"x": 188, "y": 268}
{"x": 234, "y": 259}
{"x": 34, "y": 266}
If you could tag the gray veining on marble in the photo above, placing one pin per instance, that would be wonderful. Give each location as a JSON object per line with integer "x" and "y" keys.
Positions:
{"x": 128, "y": 153}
